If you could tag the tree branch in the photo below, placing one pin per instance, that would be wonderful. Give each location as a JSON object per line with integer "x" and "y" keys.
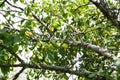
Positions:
{"x": 81, "y": 6}
{"x": 43, "y": 23}
{"x": 17, "y": 75}
{"x": 97, "y": 49}
{"x": 14, "y": 5}
{"x": 81, "y": 73}
{"x": 47, "y": 67}
{"x": 11, "y": 52}
{"x": 40, "y": 21}
{"x": 110, "y": 14}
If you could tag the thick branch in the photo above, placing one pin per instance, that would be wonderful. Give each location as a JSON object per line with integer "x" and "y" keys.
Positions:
{"x": 97, "y": 49}
{"x": 52, "y": 68}
{"x": 11, "y": 52}
{"x": 104, "y": 8}
{"x": 46, "y": 67}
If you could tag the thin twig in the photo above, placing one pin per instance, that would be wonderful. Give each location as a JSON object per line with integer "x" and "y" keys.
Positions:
{"x": 8, "y": 22}
{"x": 40, "y": 21}
{"x": 43, "y": 23}
{"x": 81, "y": 6}
{"x": 10, "y": 10}
{"x": 17, "y": 75}
{"x": 14, "y": 5}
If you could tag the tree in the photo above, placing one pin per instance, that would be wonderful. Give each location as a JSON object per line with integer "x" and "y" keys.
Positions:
{"x": 61, "y": 38}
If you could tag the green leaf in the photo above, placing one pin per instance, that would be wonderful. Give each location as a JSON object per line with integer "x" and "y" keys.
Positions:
{"x": 15, "y": 48}
{"x": 4, "y": 30}
{"x": 16, "y": 39}
{"x": 51, "y": 57}
{"x": 11, "y": 39}
{"x": 117, "y": 63}
{"x": 92, "y": 75}
{"x": 5, "y": 70}
{"x": 22, "y": 1}
{"x": 27, "y": 11}
{"x": 1, "y": 2}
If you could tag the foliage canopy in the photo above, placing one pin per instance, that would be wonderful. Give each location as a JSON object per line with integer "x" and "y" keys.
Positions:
{"x": 60, "y": 38}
